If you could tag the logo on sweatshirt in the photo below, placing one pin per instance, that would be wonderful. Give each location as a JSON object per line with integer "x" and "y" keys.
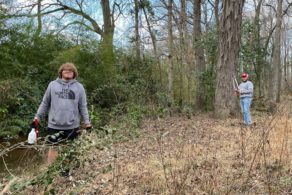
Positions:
{"x": 66, "y": 94}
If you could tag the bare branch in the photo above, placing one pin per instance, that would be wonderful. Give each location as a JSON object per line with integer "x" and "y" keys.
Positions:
{"x": 33, "y": 15}
{"x": 77, "y": 22}
{"x": 49, "y": 12}
{"x": 79, "y": 4}
{"x": 61, "y": 7}
{"x": 286, "y": 10}
{"x": 48, "y": 6}
{"x": 269, "y": 37}
{"x": 211, "y": 3}
{"x": 96, "y": 27}
{"x": 271, "y": 6}
{"x": 114, "y": 9}
{"x": 7, "y": 167}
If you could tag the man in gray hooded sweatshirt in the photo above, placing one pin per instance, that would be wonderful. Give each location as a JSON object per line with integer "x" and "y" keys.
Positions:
{"x": 65, "y": 100}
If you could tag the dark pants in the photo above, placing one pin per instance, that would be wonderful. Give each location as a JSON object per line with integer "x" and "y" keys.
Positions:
{"x": 58, "y": 135}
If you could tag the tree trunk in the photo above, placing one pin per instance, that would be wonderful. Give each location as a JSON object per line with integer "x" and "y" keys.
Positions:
{"x": 276, "y": 60}
{"x": 217, "y": 13}
{"x": 39, "y": 17}
{"x": 182, "y": 54}
{"x": 107, "y": 53}
{"x": 286, "y": 51}
{"x": 170, "y": 55}
{"x": 199, "y": 51}
{"x": 154, "y": 44}
{"x": 108, "y": 22}
{"x": 205, "y": 11}
{"x": 229, "y": 45}
{"x": 256, "y": 44}
{"x": 137, "y": 37}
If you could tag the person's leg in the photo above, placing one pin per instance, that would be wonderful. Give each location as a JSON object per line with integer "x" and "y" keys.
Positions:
{"x": 52, "y": 155}
{"x": 246, "y": 102}
{"x": 242, "y": 106}
{"x": 248, "y": 115}
{"x": 63, "y": 135}
{"x": 246, "y": 110}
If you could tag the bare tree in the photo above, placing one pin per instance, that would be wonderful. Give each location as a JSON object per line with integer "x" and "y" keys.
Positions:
{"x": 257, "y": 46}
{"x": 153, "y": 38}
{"x": 216, "y": 7}
{"x": 108, "y": 23}
{"x": 170, "y": 52}
{"x": 182, "y": 28}
{"x": 228, "y": 59}
{"x": 137, "y": 36}
{"x": 286, "y": 53}
{"x": 77, "y": 9}
{"x": 39, "y": 17}
{"x": 198, "y": 50}
{"x": 275, "y": 84}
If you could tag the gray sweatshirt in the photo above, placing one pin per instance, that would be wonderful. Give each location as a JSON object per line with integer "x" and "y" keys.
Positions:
{"x": 246, "y": 89}
{"x": 65, "y": 101}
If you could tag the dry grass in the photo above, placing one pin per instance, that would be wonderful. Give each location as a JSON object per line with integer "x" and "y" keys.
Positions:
{"x": 201, "y": 155}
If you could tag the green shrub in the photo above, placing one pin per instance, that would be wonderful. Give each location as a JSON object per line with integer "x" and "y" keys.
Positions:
{"x": 18, "y": 103}
{"x": 207, "y": 82}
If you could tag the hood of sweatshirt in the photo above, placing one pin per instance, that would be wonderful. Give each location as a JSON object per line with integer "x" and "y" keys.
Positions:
{"x": 66, "y": 92}
{"x": 70, "y": 82}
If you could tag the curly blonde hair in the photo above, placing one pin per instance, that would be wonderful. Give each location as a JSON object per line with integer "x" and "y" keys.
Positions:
{"x": 68, "y": 66}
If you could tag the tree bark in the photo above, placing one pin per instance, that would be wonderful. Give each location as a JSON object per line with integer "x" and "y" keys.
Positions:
{"x": 258, "y": 67}
{"x": 286, "y": 52}
{"x": 199, "y": 51}
{"x": 182, "y": 52}
{"x": 217, "y": 13}
{"x": 107, "y": 53}
{"x": 137, "y": 37}
{"x": 154, "y": 43}
{"x": 276, "y": 60}
{"x": 205, "y": 11}
{"x": 170, "y": 55}
{"x": 228, "y": 59}
{"x": 108, "y": 20}
{"x": 39, "y": 19}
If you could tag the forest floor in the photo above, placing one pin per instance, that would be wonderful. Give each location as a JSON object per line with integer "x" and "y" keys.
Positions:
{"x": 180, "y": 155}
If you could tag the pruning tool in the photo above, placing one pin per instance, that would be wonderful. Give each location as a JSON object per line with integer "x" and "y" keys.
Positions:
{"x": 235, "y": 85}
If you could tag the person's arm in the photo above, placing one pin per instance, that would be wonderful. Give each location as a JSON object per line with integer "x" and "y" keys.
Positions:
{"x": 82, "y": 104}
{"x": 45, "y": 105}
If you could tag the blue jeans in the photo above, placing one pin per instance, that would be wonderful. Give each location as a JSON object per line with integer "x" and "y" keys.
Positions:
{"x": 245, "y": 103}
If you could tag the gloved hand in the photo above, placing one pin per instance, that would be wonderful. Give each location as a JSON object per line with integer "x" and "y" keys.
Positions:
{"x": 85, "y": 128}
{"x": 35, "y": 123}
{"x": 88, "y": 126}
{"x": 235, "y": 91}
{"x": 36, "y": 119}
